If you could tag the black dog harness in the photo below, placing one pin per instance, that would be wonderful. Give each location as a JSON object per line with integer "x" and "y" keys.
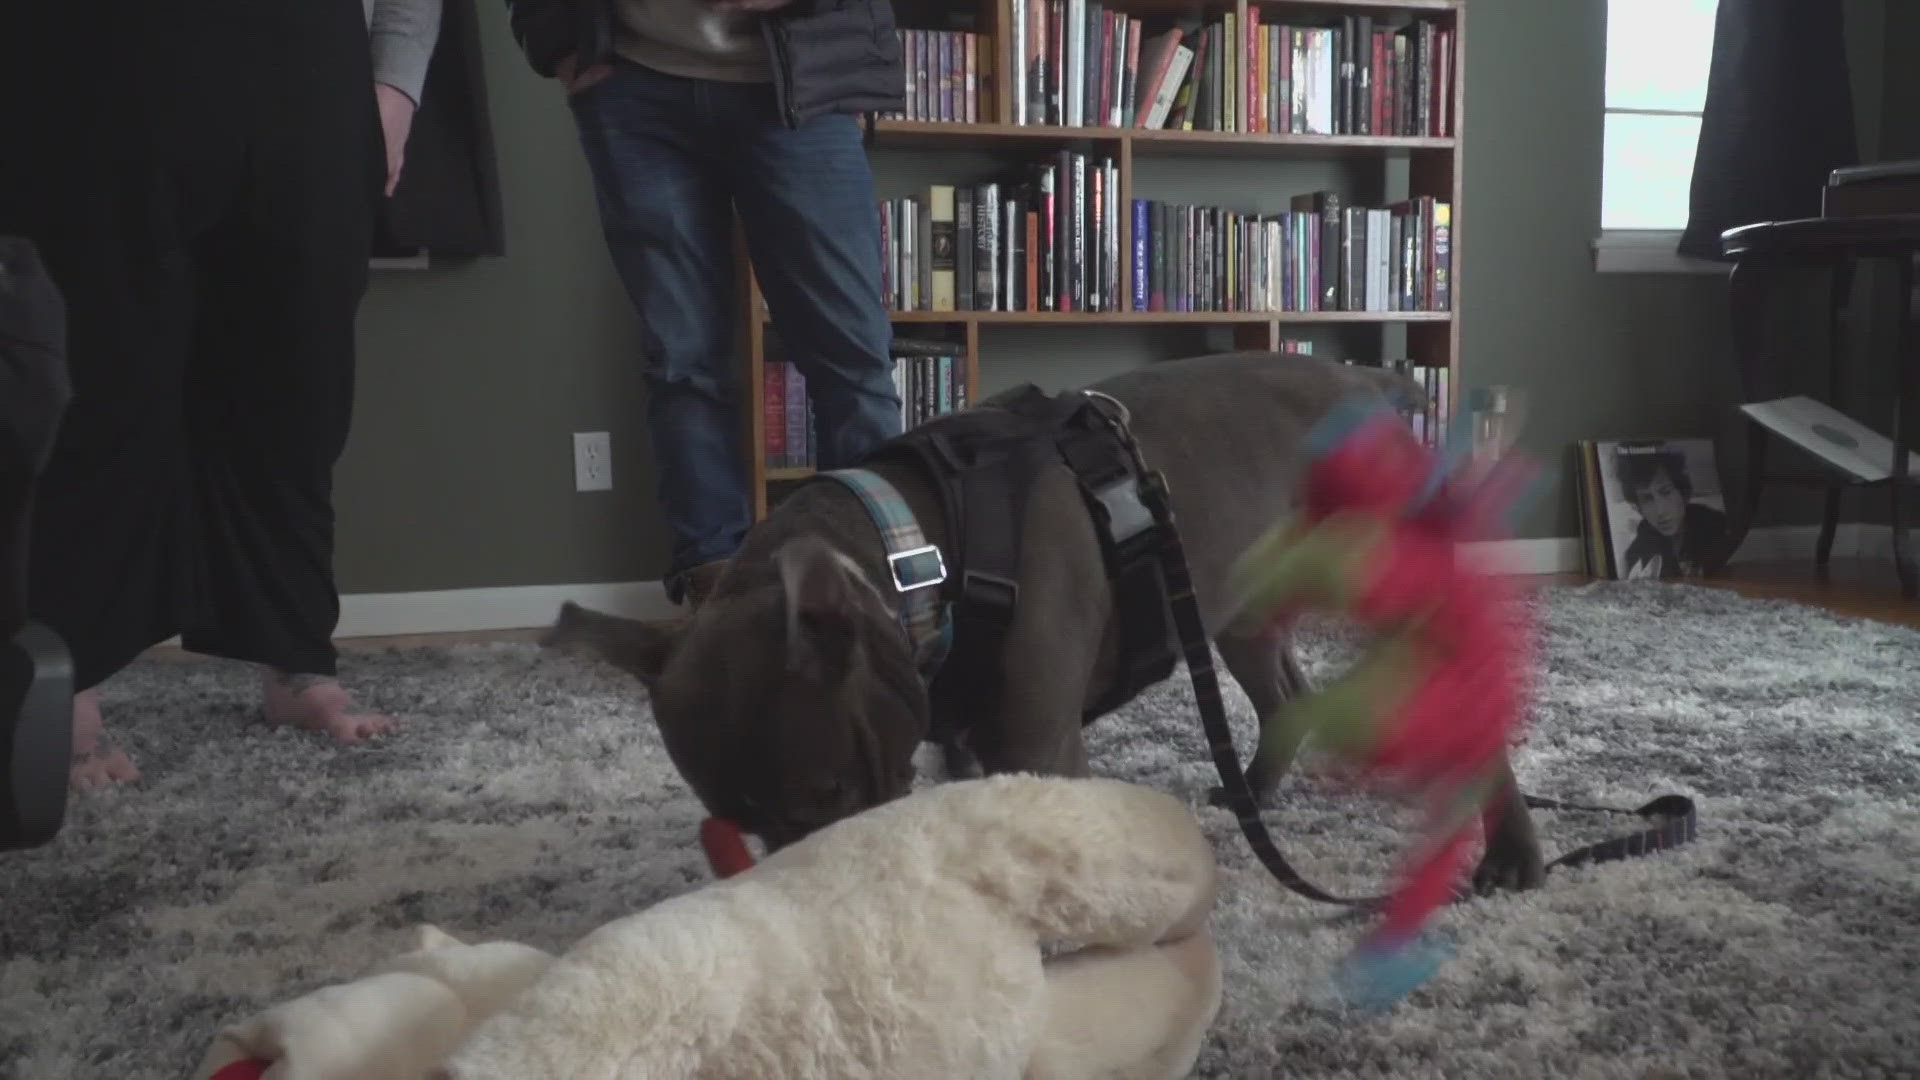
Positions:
{"x": 957, "y": 603}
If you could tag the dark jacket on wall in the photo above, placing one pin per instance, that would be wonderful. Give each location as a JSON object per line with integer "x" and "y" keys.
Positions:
{"x": 448, "y": 199}
{"x": 828, "y": 55}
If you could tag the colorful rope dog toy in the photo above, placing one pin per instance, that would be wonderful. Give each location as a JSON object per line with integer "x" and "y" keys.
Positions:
{"x": 1438, "y": 690}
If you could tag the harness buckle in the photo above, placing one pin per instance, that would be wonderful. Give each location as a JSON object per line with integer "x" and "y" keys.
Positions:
{"x": 1127, "y": 513}
{"x": 901, "y": 565}
{"x": 991, "y": 590}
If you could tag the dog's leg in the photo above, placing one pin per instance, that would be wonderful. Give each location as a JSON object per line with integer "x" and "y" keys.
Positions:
{"x": 1513, "y": 859}
{"x": 1044, "y": 676}
{"x": 1271, "y": 677}
{"x": 957, "y": 761}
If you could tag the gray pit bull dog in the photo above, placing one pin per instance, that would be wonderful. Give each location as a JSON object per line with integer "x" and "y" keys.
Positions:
{"x": 790, "y": 698}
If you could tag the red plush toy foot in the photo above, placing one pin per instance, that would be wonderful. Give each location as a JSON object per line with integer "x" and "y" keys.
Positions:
{"x": 247, "y": 1069}
{"x": 726, "y": 848}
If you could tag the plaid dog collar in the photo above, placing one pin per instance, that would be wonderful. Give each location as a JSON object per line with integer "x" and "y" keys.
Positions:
{"x": 915, "y": 567}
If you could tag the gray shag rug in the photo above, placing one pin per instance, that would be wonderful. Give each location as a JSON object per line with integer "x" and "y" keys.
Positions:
{"x": 527, "y": 797}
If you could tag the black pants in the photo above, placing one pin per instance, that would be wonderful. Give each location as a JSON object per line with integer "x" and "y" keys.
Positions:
{"x": 201, "y": 177}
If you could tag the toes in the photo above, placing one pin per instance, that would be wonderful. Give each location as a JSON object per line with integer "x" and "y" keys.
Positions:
{"x": 357, "y": 729}
{"x": 96, "y": 771}
{"x": 119, "y": 767}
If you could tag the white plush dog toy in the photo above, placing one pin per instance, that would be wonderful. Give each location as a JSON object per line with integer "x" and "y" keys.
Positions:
{"x": 1008, "y": 928}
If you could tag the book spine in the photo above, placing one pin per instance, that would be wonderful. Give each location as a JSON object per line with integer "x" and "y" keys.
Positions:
{"x": 970, "y": 101}
{"x": 1031, "y": 285}
{"x": 941, "y": 230}
{"x": 923, "y": 265}
{"x": 900, "y": 390}
{"x": 774, "y": 413}
{"x": 886, "y": 252}
{"x": 797, "y": 413}
{"x": 1022, "y": 67}
{"x": 1141, "y": 238}
{"x": 983, "y": 248}
{"x": 966, "y": 297}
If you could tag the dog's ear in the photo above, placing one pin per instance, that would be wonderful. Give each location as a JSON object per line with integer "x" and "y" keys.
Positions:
{"x": 638, "y": 648}
{"x": 829, "y": 600}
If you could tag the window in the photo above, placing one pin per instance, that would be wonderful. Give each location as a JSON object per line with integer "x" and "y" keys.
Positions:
{"x": 1658, "y": 55}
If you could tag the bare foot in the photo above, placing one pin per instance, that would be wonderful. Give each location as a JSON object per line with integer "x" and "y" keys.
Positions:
{"x": 319, "y": 703}
{"x": 95, "y": 764}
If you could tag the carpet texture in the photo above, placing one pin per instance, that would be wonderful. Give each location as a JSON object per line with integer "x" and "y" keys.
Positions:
{"x": 527, "y": 797}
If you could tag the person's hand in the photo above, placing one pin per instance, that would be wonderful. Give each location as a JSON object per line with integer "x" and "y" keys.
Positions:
{"x": 396, "y": 120}
{"x": 731, "y": 7}
{"x": 578, "y": 81}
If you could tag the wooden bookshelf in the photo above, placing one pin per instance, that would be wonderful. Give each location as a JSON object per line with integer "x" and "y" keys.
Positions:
{"x": 1434, "y": 170}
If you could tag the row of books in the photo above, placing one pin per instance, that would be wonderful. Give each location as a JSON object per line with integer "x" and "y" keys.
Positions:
{"x": 1047, "y": 242}
{"x": 949, "y": 76}
{"x": 1053, "y": 243}
{"x": 1430, "y": 423}
{"x": 1079, "y": 63}
{"x": 1322, "y": 255}
{"x": 931, "y": 379}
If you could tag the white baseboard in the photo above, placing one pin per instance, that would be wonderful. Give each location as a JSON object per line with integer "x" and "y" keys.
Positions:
{"x": 529, "y": 606}
{"x": 512, "y": 608}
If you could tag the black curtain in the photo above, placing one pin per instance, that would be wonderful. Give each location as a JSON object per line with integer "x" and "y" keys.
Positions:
{"x": 448, "y": 198}
{"x": 1778, "y": 117}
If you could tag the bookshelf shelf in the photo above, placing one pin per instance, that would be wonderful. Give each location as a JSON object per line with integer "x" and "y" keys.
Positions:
{"x": 1291, "y": 8}
{"x": 1249, "y": 81}
{"x": 937, "y": 134}
{"x": 1160, "y": 318}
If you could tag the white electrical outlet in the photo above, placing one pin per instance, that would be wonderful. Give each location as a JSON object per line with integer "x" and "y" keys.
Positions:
{"x": 592, "y": 461}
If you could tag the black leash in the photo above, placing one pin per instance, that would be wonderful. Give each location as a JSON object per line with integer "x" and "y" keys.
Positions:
{"x": 1675, "y": 817}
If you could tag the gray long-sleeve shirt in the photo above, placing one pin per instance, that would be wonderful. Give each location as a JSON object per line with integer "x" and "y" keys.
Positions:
{"x": 403, "y": 34}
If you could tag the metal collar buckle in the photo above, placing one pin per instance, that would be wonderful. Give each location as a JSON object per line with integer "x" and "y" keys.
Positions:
{"x": 903, "y": 579}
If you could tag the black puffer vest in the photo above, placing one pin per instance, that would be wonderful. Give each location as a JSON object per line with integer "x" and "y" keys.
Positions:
{"x": 828, "y": 55}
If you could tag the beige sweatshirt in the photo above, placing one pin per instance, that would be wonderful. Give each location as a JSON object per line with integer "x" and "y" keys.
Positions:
{"x": 686, "y": 38}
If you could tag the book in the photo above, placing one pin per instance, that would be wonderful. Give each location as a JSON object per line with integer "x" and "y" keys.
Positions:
{"x": 942, "y": 263}
{"x": 1661, "y": 513}
{"x": 1832, "y": 436}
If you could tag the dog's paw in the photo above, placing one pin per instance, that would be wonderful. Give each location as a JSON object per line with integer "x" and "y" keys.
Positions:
{"x": 1509, "y": 873}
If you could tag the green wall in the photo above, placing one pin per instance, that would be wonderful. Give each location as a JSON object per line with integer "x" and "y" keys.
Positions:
{"x": 460, "y": 469}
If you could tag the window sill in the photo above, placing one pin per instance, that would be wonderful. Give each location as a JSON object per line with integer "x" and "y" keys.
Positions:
{"x": 1634, "y": 251}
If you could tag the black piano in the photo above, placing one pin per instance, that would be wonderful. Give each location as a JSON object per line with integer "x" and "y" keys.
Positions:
{"x": 1888, "y": 187}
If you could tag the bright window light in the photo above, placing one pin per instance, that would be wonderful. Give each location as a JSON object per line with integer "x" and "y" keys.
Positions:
{"x": 1658, "y": 55}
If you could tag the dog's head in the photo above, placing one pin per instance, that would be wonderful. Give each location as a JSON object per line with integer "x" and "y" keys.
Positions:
{"x": 789, "y": 700}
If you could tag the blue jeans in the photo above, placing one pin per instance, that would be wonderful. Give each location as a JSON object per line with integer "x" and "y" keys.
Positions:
{"x": 672, "y": 159}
